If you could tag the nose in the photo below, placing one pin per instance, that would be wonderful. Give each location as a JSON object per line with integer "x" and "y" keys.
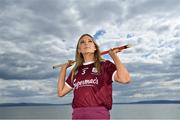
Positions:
{"x": 86, "y": 43}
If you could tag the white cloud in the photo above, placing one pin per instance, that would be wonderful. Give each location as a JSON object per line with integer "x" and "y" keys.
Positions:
{"x": 140, "y": 95}
{"x": 33, "y": 38}
{"x": 116, "y": 93}
{"x": 39, "y": 86}
{"x": 171, "y": 84}
{"x": 32, "y": 91}
{"x": 147, "y": 84}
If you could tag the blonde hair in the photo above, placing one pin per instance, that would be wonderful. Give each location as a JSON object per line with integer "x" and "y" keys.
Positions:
{"x": 79, "y": 57}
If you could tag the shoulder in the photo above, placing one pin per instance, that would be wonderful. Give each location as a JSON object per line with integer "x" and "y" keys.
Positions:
{"x": 107, "y": 63}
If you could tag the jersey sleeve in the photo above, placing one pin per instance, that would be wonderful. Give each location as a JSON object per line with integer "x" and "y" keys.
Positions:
{"x": 110, "y": 71}
{"x": 69, "y": 82}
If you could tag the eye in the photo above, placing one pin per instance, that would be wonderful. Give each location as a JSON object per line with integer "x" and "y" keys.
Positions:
{"x": 90, "y": 40}
{"x": 82, "y": 41}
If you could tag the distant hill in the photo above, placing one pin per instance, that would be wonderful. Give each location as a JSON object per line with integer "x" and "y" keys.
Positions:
{"x": 48, "y": 104}
{"x": 29, "y": 104}
{"x": 154, "y": 102}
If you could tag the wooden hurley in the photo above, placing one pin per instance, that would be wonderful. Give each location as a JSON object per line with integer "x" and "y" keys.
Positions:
{"x": 102, "y": 53}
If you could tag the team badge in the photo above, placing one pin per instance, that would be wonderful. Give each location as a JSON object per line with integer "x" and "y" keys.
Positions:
{"x": 94, "y": 70}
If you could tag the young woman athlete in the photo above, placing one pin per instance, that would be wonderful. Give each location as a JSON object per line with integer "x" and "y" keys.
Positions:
{"x": 91, "y": 80}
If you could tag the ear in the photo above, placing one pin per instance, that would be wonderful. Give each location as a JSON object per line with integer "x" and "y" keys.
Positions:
{"x": 95, "y": 49}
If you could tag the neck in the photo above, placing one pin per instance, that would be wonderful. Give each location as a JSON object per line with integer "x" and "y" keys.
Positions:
{"x": 88, "y": 57}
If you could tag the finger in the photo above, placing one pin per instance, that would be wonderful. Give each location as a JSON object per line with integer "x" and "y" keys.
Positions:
{"x": 70, "y": 62}
{"x": 119, "y": 50}
{"x": 115, "y": 50}
{"x": 110, "y": 51}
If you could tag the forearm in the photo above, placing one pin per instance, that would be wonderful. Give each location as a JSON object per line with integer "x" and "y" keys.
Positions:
{"x": 61, "y": 80}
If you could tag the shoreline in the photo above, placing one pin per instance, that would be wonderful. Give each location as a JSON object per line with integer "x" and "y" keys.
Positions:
{"x": 128, "y": 103}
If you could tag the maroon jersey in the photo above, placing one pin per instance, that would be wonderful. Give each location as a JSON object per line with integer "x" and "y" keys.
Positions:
{"x": 92, "y": 89}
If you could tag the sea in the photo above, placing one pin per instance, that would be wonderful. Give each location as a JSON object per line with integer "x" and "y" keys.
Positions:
{"x": 118, "y": 112}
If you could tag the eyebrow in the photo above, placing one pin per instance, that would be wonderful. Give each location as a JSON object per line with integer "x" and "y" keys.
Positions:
{"x": 87, "y": 39}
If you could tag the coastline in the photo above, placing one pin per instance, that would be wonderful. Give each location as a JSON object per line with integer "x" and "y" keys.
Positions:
{"x": 51, "y": 104}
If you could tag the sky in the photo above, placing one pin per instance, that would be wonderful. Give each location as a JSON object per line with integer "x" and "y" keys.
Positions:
{"x": 37, "y": 34}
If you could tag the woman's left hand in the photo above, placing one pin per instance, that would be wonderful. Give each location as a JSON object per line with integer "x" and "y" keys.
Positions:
{"x": 113, "y": 52}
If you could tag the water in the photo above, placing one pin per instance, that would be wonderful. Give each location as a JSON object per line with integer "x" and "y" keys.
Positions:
{"x": 119, "y": 111}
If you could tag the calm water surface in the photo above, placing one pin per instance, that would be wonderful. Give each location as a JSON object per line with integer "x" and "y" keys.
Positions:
{"x": 119, "y": 111}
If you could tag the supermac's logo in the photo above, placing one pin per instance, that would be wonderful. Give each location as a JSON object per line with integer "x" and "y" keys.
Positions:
{"x": 82, "y": 83}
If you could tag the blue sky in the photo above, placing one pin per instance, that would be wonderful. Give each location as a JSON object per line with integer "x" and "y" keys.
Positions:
{"x": 37, "y": 34}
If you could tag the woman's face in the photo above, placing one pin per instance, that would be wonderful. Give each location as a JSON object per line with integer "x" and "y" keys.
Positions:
{"x": 86, "y": 45}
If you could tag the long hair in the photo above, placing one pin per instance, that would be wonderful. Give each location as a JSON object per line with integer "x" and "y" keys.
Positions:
{"x": 79, "y": 57}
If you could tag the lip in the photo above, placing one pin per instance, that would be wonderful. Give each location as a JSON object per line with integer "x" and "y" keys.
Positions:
{"x": 86, "y": 47}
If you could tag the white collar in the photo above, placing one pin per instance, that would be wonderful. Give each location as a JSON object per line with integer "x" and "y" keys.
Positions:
{"x": 87, "y": 63}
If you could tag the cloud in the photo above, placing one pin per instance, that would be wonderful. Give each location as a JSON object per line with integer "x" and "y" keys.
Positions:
{"x": 99, "y": 33}
{"x": 154, "y": 8}
{"x": 23, "y": 88}
{"x": 31, "y": 91}
{"x": 138, "y": 95}
{"x": 37, "y": 34}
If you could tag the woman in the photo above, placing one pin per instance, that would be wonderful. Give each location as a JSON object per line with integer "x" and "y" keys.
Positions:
{"x": 91, "y": 80}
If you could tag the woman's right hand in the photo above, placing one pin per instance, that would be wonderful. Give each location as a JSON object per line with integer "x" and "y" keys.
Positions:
{"x": 68, "y": 64}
